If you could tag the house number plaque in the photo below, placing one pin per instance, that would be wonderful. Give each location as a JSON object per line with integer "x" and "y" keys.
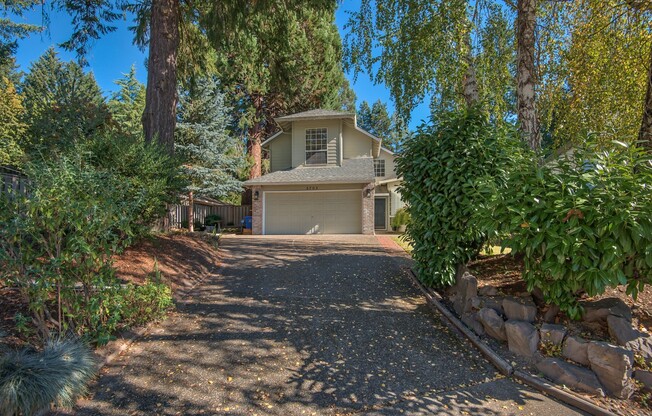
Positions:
{"x": 312, "y": 188}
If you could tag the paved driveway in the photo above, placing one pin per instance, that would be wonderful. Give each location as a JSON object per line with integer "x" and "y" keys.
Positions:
{"x": 307, "y": 325}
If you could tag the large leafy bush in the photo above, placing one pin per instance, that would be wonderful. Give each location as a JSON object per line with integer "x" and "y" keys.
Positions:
{"x": 57, "y": 241}
{"x": 582, "y": 222}
{"x": 449, "y": 168}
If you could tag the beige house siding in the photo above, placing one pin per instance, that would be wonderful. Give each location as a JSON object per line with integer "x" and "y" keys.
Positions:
{"x": 280, "y": 152}
{"x": 390, "y": 167}
{"x": 299, "y": 140}
{"x": 356, "y": 143}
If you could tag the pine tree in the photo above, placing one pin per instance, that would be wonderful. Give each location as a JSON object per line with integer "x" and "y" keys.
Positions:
{"x": 377, "y": 121}
{"x": 63, "y": 104}
{"x": 213, "y": 157}
{"x": 127, "y": 105}
{"x": 12, "y": 128}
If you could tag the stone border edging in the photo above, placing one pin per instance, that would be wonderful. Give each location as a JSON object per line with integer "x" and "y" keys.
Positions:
{"x": 562, "y": 395}
{"x": 501, "y": 364}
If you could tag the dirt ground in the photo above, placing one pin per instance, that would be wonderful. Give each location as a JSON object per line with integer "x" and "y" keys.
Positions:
{"x": 182, "y": 258}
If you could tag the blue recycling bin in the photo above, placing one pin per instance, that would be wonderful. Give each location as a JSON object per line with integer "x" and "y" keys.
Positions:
{"x": 247, "y": 222}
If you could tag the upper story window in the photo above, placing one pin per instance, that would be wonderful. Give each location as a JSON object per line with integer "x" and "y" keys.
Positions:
{"x": 316, "y": 146}
{"x": 379, "y": 167}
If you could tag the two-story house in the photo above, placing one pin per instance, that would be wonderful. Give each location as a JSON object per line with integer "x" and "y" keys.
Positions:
{"x": 327, "y": 176}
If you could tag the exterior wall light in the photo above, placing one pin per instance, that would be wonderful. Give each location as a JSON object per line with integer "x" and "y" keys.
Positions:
{"x": 256, "y": 195}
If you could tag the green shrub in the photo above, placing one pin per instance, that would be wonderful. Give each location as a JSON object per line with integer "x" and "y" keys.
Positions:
{"x": 212, "y": 219}
{"x": 57, "y": 241}
{"x": 448, "y": 169}
{"x": 150, "y": 176}
{"x": 402, "y": 217}
{"x": 582, "y": 223}
{"x": 31, "y": 381}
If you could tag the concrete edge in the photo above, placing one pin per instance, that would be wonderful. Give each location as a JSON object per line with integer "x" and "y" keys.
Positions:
{"x": 501, "y": 364}
{"x": 114, "y": 348}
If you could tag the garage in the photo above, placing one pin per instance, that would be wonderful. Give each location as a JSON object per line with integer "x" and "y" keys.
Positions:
{"x": 312, "y": 212}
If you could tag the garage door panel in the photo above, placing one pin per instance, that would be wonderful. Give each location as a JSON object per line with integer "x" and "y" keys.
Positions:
{"x": 337, "y": 212}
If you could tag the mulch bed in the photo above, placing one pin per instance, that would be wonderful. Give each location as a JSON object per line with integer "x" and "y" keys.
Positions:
{"x": 182, "y": 258}
{"x": 504, "y": 272}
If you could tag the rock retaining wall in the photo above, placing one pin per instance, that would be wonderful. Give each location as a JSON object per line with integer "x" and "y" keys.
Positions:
{"x": 593, "y": 367}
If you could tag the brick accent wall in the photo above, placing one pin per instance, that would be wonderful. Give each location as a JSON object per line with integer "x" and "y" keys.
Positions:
{"x": 368, "y": 209}
{"x": 257, "y": 211}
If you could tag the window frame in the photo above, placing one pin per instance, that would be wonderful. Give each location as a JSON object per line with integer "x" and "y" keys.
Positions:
{"x": 313, "y": 150}
{"x": 380, "y": 164}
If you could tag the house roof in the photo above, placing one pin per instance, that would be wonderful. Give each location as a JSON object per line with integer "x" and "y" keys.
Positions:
{"x": 359, "y": 170}
{"x": 315, "y": 114}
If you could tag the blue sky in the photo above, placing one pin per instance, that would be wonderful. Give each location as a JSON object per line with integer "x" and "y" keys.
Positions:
{"x": 114, "y": 54}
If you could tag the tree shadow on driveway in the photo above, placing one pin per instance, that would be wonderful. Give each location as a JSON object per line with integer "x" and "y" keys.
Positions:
{"x": 327, "y": 325}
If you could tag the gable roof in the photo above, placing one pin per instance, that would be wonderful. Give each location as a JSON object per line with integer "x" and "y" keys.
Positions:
{"x": 315, "y": 115}
{"x": 359, "y": 170}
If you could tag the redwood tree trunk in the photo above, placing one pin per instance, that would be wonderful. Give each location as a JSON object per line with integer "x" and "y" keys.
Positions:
{"x": 645, "y": 134}
{"x": 525, "y": 73}
{"x": 254, "y": 147}
{"x": 159, "y": 117}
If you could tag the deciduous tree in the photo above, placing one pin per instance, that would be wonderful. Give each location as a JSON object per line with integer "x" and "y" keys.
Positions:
{"x": 12, "y": 126}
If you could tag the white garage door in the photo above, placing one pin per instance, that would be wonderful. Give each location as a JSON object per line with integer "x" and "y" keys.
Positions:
{"x": 332, "y": 212}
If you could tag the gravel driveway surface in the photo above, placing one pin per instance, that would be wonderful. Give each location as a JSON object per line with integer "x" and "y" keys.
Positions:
{"x": 326, "y": 325}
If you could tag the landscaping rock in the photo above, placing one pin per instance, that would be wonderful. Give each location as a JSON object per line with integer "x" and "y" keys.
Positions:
{"x": 466, "y": 292}
{"x": 576, "y": 349}
{"x": 495, "y": 303}
{"x": 572, "y": 376}
{"x": 644, "y": 377}
{"x": 471, "y": 320}
{"x": 642, "y": 346}
{"x": 621, "y": 330}
{"x": 520, "y": 309}
{"x": 493, "y": 324}
{"x": 537, "y": 295}
{"x": 522, "y": 338}
{"x": 613, "y": 366}
{"x": 552, "y": 334}
{"x": 601, "y": 309}
{"x": 488, "y": 291}
{"x": 551, "y": 314}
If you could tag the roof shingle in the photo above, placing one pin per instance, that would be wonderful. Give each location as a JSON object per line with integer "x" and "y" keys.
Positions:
{"x": 359, "y": 170}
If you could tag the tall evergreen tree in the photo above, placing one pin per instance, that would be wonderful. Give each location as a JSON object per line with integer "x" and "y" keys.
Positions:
{"x": 377, "y": 121}
{"x": 63, "y": 104}
{"x": 12, "y": 127}
{"x": 275, "y": 59}
{"x": 127, "y": 104}
{"x": 213, "y": 157}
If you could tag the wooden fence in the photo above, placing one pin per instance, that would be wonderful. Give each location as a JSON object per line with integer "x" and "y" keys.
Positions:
{"x": 12, "y": 183}
{"x": 231, "y": 215}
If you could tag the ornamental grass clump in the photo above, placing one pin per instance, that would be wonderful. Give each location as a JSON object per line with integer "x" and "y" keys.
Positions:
{"x": 31, "y": 381}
